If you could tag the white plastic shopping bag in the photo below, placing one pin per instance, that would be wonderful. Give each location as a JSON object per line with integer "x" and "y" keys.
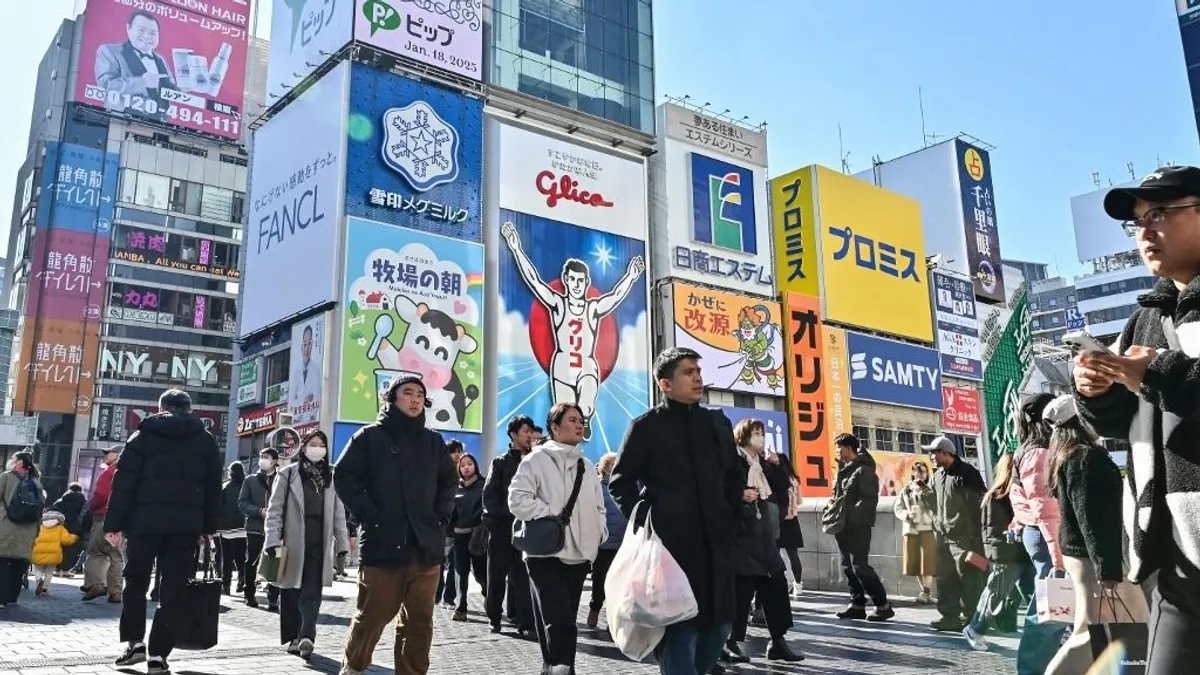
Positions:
{"x": 646, "y": 591}
{"x": 1055, "y": 598}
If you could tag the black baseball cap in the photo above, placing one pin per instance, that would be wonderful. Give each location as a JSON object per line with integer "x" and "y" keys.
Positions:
{"x": 1165, "y": 184}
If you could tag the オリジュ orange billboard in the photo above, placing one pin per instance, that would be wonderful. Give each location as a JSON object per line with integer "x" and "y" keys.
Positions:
{"x": 807, "y": 395}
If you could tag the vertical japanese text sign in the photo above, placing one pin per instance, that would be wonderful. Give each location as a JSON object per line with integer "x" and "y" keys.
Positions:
{"x": 806, "y": 395}
{"x": 837, "y": 386}
{"x": 1003, "y": 377}
{"x": 794, "y": 218}
{"x": 979, "y": 222}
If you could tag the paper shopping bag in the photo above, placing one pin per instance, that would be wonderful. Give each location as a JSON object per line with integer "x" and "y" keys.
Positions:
{"x": 1055, "y": 599}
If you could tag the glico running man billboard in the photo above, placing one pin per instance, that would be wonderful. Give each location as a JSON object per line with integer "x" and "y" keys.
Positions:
{"x": 574, "y": 324}
{"x": 174, "y": 62}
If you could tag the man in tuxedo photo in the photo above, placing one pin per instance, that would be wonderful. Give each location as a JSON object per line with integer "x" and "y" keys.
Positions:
{"x": 134, "y": 68}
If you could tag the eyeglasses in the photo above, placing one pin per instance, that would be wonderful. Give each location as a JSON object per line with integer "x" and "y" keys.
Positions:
{"x": 1155, "y": 218}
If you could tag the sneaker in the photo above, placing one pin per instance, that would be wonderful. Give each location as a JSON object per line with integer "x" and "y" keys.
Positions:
{"x": 977, "y": 641}
{"x": 459, "y": 615}
{"x": 733, "y": 654}
{"x": 293, "y": 648}
{"x": 495, "y": 628}
{"x": 273, "y": 607}
{"x": 41, "y": 588}
{"x": 924, "y": 598}
{"x": 853, "y": 612}
{"x": 947, "y": 625}
{"x": 305, "y": 648}
{"x": 134, "y": 654}
{"x": 157, "y": 665}
{"x": 797, "y": 589}
{"x": 252, "y": 603}
{"x": 882, "y": 613}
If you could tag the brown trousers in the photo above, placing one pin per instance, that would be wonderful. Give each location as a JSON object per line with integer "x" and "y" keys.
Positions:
{"x": 382, "y": 592}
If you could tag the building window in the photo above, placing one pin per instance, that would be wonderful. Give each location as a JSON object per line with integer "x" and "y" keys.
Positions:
{"x": 277, "y": 366}
{"x": 216, "y": 204}
{"x": 1055, "y": 320}
{"x": 883, "y": 440}
{"x": 185, "y": 197}
{"x": 863, "y": 434}
{"x": 906, "y": 440}
{"x": 741, "y": 400}
{"x": 1054, "y": 302}
{"x": 1071, "y": 299}
{"x": 152, "y": 191}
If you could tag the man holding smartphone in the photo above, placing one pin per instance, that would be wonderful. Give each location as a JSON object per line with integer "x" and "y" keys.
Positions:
{"x": 1148, "y": 393}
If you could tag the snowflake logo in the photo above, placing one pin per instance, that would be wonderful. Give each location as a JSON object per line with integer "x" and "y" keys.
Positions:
{"x": 420, "y": 146}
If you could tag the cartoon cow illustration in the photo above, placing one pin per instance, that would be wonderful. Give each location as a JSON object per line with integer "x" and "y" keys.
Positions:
{"x": 430, "y": 349}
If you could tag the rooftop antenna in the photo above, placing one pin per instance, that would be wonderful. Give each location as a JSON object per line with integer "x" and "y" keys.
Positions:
{"x": 1096, "y": 178}
{"x": 842, "y": 152}
{"x": 926, "y": 138}
{"x": 1129, "y": 167}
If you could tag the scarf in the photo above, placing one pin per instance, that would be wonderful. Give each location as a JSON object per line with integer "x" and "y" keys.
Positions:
{"x": 756, "y": 478}
{"x": 313, "y": 473}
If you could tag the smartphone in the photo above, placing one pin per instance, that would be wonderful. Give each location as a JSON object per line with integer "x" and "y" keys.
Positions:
{"x": 1083, "y": 341}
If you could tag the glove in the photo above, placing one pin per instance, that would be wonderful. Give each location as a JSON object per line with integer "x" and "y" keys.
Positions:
{"x": 271, "y": 552}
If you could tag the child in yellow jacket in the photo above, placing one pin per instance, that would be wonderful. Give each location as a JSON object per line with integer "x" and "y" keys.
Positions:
{"x": 52, "y": 538}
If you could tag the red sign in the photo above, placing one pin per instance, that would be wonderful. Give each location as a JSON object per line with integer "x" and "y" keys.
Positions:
{"x": 960, "y": 410}
{"x": 255, "y": 421}
{"x": 567, "y": 188}
{"x": 177, "y": 62}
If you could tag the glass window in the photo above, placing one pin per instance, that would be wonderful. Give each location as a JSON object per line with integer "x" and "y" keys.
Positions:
{"x": 927, "y": 439}
{"x": 277, "y": 366}
{"x": 883, "y": 440}
{"x": 128, "y": 188}
{"x": 741, "y": 400}
{"x": 152, "y": 191}
{"x": 1054, "y": 302}
{"x": 906, "y": 440}
{"x": 217, "y": 203}
{"x": 185, "y": 197}
{"x": 863, "y": 434}
{"x": 238, "y": 208}
{"x": 160, "y": 336}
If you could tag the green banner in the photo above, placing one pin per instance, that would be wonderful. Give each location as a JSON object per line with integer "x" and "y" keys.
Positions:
{"x": 1003, "y": 375}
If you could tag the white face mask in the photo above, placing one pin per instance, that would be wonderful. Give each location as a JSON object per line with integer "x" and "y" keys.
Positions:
{"x": 314, "y": 453}
{"x": 756, "y": 442}
{"x": 49, "y": 523}
{"x": 266, "y": 464}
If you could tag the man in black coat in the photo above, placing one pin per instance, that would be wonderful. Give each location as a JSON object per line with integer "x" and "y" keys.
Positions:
{"x": 504, "y": 564}
{"x": 681, "y": 459}
{"x": 166, "y": 497}
{"x": 958, "y": 524}
{"x": 398, "y": 481}
{"x": 856, "y": 496}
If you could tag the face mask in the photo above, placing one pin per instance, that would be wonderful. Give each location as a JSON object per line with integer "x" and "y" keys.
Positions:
{"x": 756, "y": 442}
{"x": 49, "y": 523}
{"x": 266, "y": 464}
{"x": 314, "y": 453}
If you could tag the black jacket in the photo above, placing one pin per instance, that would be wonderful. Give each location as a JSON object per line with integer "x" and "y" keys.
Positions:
{"x": 231, "y": 514}
{"x": 1088, "y": 491}
{"x": 858, "y": 490}
{"x": 496, "y": 516}
{"x": 468, "y": 504}
{"x": 1168, "y": 408}
{"x": 780, "y": 480}
{"x": 997, "y": 514}
{"x": 756, "y": 554}
{"x": 397, "y": 479}
{"x": 73, "y": 506}
{"x": 959, "y": 489}
{"x": 168, "y": 480}
{"x": 683, "y": 461}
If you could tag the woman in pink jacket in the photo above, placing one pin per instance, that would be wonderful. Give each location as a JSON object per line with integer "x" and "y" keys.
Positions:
{"x": 1036, "y": 516}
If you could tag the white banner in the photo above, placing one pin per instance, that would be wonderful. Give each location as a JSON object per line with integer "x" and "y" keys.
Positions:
{"x": 297, "y": 173}
{"x": 304, "y": 33}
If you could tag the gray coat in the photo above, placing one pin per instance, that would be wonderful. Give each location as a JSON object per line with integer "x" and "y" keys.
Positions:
{"x": 252, "y": 498}
{"x": 16, "y": 539}
{"x": 288, "y": 486}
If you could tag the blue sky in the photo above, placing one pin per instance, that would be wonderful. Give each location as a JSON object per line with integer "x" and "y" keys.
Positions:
{"x": 1062, "y": 88}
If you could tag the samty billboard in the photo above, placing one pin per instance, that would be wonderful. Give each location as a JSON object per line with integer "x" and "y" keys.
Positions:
{"x": 175, "y": 62}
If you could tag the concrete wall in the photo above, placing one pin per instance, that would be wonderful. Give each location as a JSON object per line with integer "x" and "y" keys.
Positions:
{"x": 822, "y": 562}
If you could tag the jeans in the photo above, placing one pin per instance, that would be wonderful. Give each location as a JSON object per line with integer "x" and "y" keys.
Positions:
{"x": 447, "y": 587}
{"x": 382, "y": 592}
{"x": 557, "y": 591}
{"x": 1174, "y": 645}
{"x": 464, "y": 563}
{"x": 997, "y": 604}
{"x": 300, "y": 607}
{"x": 686, "y": 650}
{"x": 176, "y": 559}
{"x": 600, "y": 567}
{"x": 1039, "y": 642}
{"x": 506, "y": 567}
{"x": 855, "y": 546}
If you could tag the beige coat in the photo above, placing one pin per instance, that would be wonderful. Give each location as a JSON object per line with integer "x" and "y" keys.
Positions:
{"x": 16, "y": 539}
{"x": 288, "y": 486}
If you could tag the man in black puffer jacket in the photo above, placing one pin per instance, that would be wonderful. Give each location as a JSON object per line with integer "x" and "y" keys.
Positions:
{"x": 957, "y": 522}
{"x": 857, "y": 494}
{"x": 398, "y": 481}
{"x": 166, "y": 495}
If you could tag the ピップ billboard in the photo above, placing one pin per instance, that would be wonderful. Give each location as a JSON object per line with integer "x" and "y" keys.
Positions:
{"x": 739, "y": 338}
{"x": 446, "y": 35}
{"x": 414, "y": 306}
{"x": 172, "y": 62}
{"x": 574, "y": 323}
{"x": 872, "y": 246}
{"x": 806, "y": 396}
{"x": 415, "y": 155}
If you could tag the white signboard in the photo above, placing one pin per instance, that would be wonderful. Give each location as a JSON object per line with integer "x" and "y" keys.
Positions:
{"x": 570, "y": 183}
{"x": 444, "y": 34}
{"x": 710, "y": 207}
{"x": 305, "y": 367}
{"x": 715, "y": 136}
{"x": 297, "y": 176}
{"x": 304, "y": 34}
{"x": 1096, "y": 234}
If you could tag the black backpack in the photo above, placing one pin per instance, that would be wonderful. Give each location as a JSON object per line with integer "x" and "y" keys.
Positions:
{"x": 27, "y": 503}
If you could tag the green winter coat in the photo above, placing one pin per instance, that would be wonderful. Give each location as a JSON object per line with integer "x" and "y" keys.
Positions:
{"x": 16, "y": 539}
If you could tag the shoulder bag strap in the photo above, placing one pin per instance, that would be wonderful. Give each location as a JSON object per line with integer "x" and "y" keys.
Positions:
{"x": 566, "y": 512}
{"x": 1168, "y": 326}
{"x": 287, "y": 497}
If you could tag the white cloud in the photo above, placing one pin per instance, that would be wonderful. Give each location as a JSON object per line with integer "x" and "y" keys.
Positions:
{"x": 460, "y": 307}
{"x": 512, "y": 333}
{"x": 635, "y": 344}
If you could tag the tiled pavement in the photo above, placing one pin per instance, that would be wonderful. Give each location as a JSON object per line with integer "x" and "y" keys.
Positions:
{"x": 60, "y": 634}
